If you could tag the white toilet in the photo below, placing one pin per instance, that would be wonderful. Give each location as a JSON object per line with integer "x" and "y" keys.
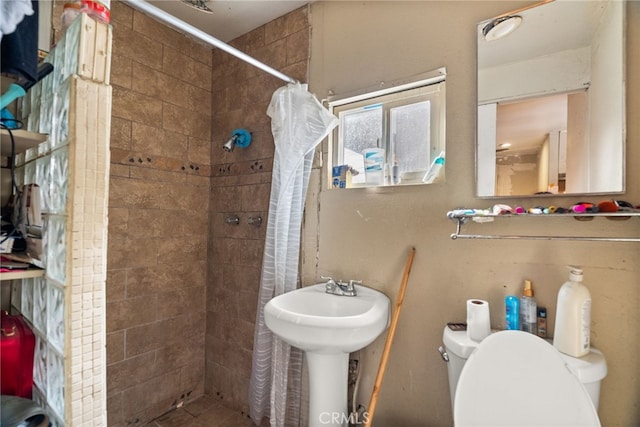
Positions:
{"x": 514, "y": 378}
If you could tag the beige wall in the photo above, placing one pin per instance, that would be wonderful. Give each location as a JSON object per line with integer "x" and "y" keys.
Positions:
{"x": 366, "y": 233}
{"x": 158, "y": 218}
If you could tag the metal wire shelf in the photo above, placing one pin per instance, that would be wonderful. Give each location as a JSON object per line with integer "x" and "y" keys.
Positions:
{"x": 461, "y": 219}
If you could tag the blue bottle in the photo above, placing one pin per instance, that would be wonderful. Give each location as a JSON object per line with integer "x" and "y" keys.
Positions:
{"x": 512, "y": 308}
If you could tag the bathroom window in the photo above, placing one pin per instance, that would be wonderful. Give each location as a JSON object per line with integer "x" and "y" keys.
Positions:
{"x": 388, "y": 137}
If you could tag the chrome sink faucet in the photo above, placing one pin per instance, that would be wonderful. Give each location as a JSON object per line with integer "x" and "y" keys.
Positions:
{"x": 341, "y": 288}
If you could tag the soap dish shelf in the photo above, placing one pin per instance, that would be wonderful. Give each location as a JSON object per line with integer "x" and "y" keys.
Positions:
{"x": 461, "y": 219}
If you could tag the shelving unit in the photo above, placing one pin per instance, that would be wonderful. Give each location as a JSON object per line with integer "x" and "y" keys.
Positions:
{"x": 23, "y": 139}
{"x": 462, "y": 219}
{"x": 21, "y": 274}
{"x": 27, "y": 273}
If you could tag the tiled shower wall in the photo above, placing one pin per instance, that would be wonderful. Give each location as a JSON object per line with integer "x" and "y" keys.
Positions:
{"x": 241, "y": 183}
{"x": 175, "y": 104}
{"x": 158, "y": 218}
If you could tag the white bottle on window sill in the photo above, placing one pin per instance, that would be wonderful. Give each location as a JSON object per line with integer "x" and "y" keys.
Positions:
{"x": 435, "y": 173}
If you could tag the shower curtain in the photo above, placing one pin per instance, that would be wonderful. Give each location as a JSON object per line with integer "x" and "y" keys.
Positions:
{"x": 298, "y": 123}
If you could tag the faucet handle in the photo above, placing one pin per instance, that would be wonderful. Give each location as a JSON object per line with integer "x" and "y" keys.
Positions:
{"x": 352, "y": 283}
{"x": 330, "y": 282}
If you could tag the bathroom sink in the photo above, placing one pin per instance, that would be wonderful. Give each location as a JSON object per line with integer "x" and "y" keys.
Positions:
{"x": 327, "y": 328}
{"x": 313, "y": 320}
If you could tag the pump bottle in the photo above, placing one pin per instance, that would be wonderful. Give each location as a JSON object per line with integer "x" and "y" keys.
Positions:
{"x": 528, "y": 309}
{"x": 573, "y": 316}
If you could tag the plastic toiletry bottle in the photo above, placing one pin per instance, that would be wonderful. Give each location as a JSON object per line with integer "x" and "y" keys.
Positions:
{"x": 573, "y": 316}
{"x": 512, "y": 309}
{"x": 542, "y": 322}
{"x": 436, "y": 171}
{"x": 395, "y": 172}
{"x": 528, "y": 309}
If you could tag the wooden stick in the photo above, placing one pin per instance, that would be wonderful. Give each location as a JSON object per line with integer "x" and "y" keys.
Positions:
{"x": 387, "y": 345}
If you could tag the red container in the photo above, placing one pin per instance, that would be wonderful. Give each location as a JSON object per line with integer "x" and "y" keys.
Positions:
{"x": 16, "y": 356}
{"x": 98, "y": 10}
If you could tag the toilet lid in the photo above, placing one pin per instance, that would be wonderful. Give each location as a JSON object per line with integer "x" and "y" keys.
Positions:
{"x": 514, "y": 378}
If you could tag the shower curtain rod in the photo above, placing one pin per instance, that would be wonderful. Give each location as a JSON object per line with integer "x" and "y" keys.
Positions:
{"x": 178, "y": 24}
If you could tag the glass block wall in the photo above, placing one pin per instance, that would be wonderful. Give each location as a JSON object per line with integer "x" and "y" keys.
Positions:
{"x": 66, "y": 307}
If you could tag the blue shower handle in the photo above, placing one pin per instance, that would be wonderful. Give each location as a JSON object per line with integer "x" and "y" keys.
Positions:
{"x": 243, "y": 137}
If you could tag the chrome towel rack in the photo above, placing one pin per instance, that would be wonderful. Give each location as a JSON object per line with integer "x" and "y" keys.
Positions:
{"x": 464, "y": 218}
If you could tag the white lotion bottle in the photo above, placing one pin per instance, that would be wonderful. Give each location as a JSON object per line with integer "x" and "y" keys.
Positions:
{"x": 573, "y": 316}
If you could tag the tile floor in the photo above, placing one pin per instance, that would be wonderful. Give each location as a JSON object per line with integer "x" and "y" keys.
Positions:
{"x": 206, "y": 411}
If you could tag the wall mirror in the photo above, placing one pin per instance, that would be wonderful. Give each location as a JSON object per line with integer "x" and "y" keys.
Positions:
{"x": 551, "y": 84}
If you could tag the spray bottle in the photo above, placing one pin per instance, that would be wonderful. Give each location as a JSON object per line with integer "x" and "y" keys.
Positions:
{"x": 573, "y": 316}
{"x": 528, "y": 309}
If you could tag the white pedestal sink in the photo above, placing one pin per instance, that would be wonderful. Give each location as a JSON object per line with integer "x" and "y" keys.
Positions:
{"x": 327, "y": 328}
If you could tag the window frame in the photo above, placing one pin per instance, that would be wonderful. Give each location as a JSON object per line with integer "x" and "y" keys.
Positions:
{"x": 428, "y": 84}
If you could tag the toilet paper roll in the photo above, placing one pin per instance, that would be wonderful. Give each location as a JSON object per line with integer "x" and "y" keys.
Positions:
{"x": 478, "y": 322}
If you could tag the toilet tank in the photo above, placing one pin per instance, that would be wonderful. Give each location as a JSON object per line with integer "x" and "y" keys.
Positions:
{"x": 590, "y": 369}
{"x": 458, "y": 349}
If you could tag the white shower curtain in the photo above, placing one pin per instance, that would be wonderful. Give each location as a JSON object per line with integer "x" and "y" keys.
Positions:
{"x": 298, "y": 123}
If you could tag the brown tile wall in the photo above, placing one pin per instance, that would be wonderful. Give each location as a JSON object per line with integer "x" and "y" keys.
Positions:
{"x": 241, "y": 183}
{"x": 158, "y": 218}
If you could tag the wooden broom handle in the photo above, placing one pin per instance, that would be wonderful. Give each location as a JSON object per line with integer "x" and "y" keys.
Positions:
{"x": 387, "y": 345}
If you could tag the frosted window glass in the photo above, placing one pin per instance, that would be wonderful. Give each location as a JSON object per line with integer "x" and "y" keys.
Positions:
{"x": 46, "y": 114}
{"x": 47, "y": 82}
{"x": 38, "y": 397}
{"x": 360, "y": 129}
{"x": 59, "y": 180}
{"x": 30, "y": 172}
{"x": 26, "y": 307}
{"x": 55, "y": 382}
{"x": 43, "y": 179}
{"x": 55, "y": 247}
{"x": 410, "y": 136}
{"x": 16, "y": 294}
{"x": 19, "y": 160}
{"x": 33, "y": 123}
{"x": 58, "y": 61}
{"x": 44, "y": 148}
{"x": 55, "y": 321}
{"x": 40, "y": 304}
{"x": 61, "y": 105}
{"x": 40, "y": 363}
